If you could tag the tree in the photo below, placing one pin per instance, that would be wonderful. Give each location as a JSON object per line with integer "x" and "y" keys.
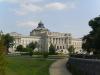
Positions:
{"x": 2, "y": 57}
{"x": 87, "y": 43}
{"x": 20, "y": 48}
{"x": 52, "y": 49}
{"x": 71, "y": 49}
{"x": 92, "y": 40}
{"x": 32, "y": 45}
{"x": 8, "y": 41}
{"x": 30, "y": 51}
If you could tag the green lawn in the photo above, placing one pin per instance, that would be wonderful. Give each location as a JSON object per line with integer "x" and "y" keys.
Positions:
{"x": 27, "y": 66}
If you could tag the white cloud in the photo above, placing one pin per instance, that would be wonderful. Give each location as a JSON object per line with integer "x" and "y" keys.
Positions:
{"x": 9, "y": 1}
{"x": 26, "y": 8}
{"x": 60, "y": 6}
{"x": 56, "y": 5}
{"x": 28, "y": 24}
{"x": 30, "y": 6}
{"x": 18, "y": 1}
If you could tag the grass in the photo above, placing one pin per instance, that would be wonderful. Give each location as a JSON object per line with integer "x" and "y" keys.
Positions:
{"x": 27, "y": 66}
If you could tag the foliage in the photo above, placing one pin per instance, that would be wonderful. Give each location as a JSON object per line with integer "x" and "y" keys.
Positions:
{"x": 8, "y": 41}
{"x": 2, "y": 58}
{"x": 30, "y": 51}
{"x": 71, "y": 49}
{"x": 32, "y": 45}
{"x": 45, "y": 54}
{"x": 52, "y": 49}
{"x": 20, "y": 48}
{"x": 37, "y": 53}
{"x": 27, "y": 50}
{"x": 87, "y": 44}
{"x": 91, "y": 42}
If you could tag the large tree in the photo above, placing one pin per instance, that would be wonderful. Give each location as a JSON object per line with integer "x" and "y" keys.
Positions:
{"x": 91, "y": 42}
{"x": 88, "y": 43}
{"x": 8, "y": 41}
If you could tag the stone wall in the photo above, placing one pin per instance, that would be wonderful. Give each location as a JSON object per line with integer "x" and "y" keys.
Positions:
{"x": 79, "y": 66}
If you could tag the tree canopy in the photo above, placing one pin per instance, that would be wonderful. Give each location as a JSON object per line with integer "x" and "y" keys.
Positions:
{"x": 8, "y": 41}
{"x": 32, "y": 45}
{"x": 20, "y": 48}
{"x": 91, "y": 42}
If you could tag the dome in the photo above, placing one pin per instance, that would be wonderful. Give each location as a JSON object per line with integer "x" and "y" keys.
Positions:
{"x": 40, "y": 25}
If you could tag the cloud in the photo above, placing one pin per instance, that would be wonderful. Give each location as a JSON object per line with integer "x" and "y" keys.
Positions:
{"x": 18, "y": 1}
{"x": 60, "y": 6}
{"x": 26, "y": 8}
{"x": 56, "y": 5}
{"x": 9, "y": 1}
{"x": 28, "y": 24}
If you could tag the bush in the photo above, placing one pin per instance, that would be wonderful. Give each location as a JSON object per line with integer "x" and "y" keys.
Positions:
{"x": 45, "y": 54}
{"x": 37, "y": 53}
{"x": 30, "y": 53}
{"x": 20, "y": 48}
{"x": 27, "y": 51}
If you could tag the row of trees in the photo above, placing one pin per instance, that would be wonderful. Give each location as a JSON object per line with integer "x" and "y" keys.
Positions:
{"x": 9, "y": 42}
{"x": 91, "y": 42}
{"x": 31, "y": 46}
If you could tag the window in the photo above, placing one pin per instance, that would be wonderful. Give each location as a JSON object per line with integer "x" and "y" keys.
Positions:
{"x": 60, "y": 47}
{"x": 63, "y": 47}
{"x": 57, "y": 47}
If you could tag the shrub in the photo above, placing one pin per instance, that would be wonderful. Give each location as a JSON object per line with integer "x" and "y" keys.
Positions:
{"x": 37, "y": 53}
{"x": 45, "y": 54}
{"x": 30, "y": 53}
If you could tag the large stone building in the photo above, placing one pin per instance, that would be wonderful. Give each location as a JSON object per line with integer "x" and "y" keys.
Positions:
{"x": 45, "y": 38}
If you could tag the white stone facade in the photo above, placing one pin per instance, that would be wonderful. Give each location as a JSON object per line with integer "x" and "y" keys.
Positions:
{"x": 44, "y": 38}
{"x": 77, "y": 43}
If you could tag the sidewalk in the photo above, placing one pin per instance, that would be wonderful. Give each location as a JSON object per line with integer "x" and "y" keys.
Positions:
{"x": 59, "y": 68}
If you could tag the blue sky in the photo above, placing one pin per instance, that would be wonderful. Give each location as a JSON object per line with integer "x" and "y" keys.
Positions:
{"x": 70, "y": 16}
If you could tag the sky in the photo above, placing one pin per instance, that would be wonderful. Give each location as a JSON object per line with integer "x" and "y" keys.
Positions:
{"x": 68, "y": 16}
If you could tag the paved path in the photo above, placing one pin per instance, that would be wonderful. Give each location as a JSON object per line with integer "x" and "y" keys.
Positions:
{"x": 59, "y": 68}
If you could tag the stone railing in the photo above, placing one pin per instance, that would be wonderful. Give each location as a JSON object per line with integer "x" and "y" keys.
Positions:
{"x": 79, "y": 66}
